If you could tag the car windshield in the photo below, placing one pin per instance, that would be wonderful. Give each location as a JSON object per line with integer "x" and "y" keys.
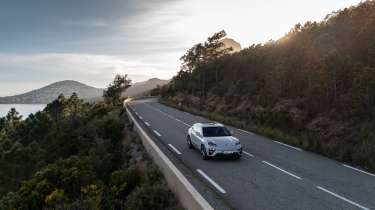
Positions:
{"x": 215, "y": 131}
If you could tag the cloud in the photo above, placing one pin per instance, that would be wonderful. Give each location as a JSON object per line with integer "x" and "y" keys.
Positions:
{"x": 90, "y": 23}
{"x": 43, "y": 41}
{"x": 95, "y": 70}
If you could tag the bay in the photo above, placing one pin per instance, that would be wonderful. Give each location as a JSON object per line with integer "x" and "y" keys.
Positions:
{"x": 23, "y": 109}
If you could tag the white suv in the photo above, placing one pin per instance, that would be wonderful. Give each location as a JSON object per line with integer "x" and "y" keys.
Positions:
{"x": 213, "y": 139}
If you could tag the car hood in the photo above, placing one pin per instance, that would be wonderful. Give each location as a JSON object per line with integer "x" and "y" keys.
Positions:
{"x": 223, "y": 141}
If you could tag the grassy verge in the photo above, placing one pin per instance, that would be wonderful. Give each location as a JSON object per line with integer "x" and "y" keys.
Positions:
{"x": 345, "y": 153}
{"x": 238, "y": 123}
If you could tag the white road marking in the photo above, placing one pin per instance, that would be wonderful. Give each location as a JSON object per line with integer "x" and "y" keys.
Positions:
{"x": 170, "y": 116}
{"x": 220, "y": 189}
{"x": 148, "y": 124}
{"x": 186, "y": 124}
{"x": 248, "y": 132}
{"x": 157, "y": 133}
{"x": 287, "y": 145}
{"x": 365, "y": 172}
{"x": 342, "y": 198}
{"x": 172, "y": 168}
{"x": 140, "y": 117}
{"x": 290, "y": 174}
{"x": 175, "y": 149}
{"x": 246, "y": 153}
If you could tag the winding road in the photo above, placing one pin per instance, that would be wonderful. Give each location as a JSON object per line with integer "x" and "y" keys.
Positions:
{"x": 270, "y": 174}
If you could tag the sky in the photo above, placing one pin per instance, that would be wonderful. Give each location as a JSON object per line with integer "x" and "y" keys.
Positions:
{"x": 45, "y": 41}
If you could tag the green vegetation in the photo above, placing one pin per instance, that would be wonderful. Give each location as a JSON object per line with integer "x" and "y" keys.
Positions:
{"x": 113, "y": 93}
{"x": 76, "y": 155}
{"x": 314, "y": 88}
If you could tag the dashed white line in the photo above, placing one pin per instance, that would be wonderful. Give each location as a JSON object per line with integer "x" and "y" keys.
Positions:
{"x": 170, "y": 116}
{"x": 342, "y": 198}
{"x": 280, "y": 169}
{"x": 365, "y": 172}
{"x": 287, "y": 145}
{"x": 157, "y": 133}
{"x": 175, "y": 149}
{"x": 185, "y": 123}
{"x": 148, "y": 124}
{"x": 248, "y": 132}
{"x": 220, "y": 189}
{"x": 248, "y": 154}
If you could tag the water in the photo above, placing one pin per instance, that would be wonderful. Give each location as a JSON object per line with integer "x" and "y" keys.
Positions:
{"x": 24, "y": 109}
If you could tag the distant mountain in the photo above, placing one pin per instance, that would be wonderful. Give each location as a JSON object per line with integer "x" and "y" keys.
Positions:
{"x": 49, "y": 93}
{"x": 140, "y": 88}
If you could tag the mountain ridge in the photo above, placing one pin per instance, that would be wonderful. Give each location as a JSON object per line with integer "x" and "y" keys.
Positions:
{"x": 50, "y": 92}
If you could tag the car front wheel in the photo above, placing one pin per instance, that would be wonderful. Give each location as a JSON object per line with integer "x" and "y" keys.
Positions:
{"x": 190, "y": 145}
{"x": 237, "y": 156}
{"x": 204, "y": 153}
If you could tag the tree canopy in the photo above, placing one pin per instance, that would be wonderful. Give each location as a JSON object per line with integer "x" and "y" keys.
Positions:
{"x": 77, "y": 155}
{"x": 114, "y": 90}
{"x": 318, "y": 80}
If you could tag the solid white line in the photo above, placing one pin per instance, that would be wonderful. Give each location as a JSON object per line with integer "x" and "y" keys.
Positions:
{"x": 365, "y": 172}
{"x": 248, "y": 132}
{"x": 246, "y": 153}
{"x": 342, "y": 198}
{"x": 148, "y": 124}
{"x": 174, "y": 148}
{"x": 157, "y": 133}
{"x": 290, "y": 174}
{"x": 220, "y": 189}
{"x": 287, "y": 145}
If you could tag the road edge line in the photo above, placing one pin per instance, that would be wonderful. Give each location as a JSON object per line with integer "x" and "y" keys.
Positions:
{"x": 342, "y": 198}
{"x": 189, "y": 197}
{"x": 358, "y": 170}
{"x": 287, "y": 145}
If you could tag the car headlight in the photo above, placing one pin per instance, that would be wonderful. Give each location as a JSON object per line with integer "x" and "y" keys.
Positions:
{"x": 212, "y": 144}
{"x": 238, "y": 143}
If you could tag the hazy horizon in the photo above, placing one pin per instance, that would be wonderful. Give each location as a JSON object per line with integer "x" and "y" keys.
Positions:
{"x": 90, "y": 41}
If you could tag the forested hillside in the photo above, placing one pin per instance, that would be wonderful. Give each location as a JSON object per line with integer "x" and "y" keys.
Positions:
{"x": 314, "y": 88}
{"x": 76, "y": 155}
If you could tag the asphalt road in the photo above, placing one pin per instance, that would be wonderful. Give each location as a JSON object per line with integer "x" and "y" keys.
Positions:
{"x": 270, "y": 175}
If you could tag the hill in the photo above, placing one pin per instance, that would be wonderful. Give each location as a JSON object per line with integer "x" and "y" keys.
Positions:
{"x": 140, "y": 88}
{"x": 49, "y": 93}
{"x": 313, "y": 88}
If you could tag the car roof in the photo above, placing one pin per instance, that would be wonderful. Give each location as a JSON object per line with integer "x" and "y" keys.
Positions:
{"x": 210, "y": 124}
